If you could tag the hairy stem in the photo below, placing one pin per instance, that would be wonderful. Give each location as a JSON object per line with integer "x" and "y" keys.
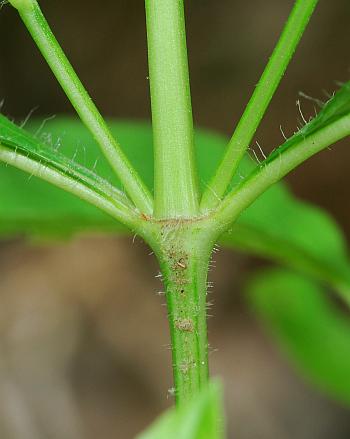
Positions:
{"x": 118, "y": 209}
{"x": 275, "y": 167}
{"x": 259, "y": 102}
{"x": 176, "y": 189}
{"x": 39, "y": 29}
{"x": 184, "y": 253}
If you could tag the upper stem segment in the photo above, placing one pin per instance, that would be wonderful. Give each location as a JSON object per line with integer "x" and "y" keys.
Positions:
{"x": 39, "y": 29}
{"x": 176, "y": 191}
{"x": 259, "y": 101}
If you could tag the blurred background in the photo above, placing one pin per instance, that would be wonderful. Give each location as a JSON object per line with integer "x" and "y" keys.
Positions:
{"x": 83, "y": 336}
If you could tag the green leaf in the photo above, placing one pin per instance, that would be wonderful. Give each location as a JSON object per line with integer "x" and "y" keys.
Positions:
{"x": 280, "y": 227}
{"x": 202, "y": 418}
{"x": 309, "y": 328}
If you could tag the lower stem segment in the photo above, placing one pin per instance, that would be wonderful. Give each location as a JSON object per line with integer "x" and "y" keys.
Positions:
{"x": 184, "y": 260}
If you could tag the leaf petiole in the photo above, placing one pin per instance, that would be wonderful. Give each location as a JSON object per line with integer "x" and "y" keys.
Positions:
{"x": 259, "y": 102}
{"x": 39, "y": 29}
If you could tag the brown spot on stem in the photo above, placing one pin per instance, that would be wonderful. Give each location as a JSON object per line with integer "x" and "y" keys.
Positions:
{"x": 185, "y": 325}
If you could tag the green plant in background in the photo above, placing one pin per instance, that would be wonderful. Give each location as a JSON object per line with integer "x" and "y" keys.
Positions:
{"x": 193, "y": 194}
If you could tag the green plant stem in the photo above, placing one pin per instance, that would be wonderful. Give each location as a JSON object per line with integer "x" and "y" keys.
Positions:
{"x": 275, "y": 168}
{"x": 117, "y": 209}
{"x": 183, "y": 250}
{"x": 259, "y": 102}
{"x": 176, "y": 188}
{"x": 38, "y": 27}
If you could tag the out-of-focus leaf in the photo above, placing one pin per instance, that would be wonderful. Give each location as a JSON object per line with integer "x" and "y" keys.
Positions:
{"x": 313, "y": 332}
{"x": 295, "y": 233}
{"x": 202, "y": 418}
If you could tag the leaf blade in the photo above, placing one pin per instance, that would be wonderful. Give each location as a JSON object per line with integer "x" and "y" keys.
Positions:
{"x": 295, "y": 234}
{"x": 309, "y": 329}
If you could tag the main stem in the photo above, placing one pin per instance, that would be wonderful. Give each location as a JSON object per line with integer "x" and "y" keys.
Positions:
{"x": 184, "y": 253}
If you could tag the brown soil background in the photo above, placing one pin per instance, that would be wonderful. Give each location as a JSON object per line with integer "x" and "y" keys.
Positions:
{"x": 83, "y": 336}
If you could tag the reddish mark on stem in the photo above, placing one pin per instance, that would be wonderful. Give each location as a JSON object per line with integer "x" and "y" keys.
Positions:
{"x": 145, "y": 217}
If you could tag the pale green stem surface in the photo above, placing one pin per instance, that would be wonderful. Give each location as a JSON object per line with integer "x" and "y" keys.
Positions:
{"x": 38, "y": 27}
{"x": 259, "y": 102}
{"x": 176, "y": 189}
